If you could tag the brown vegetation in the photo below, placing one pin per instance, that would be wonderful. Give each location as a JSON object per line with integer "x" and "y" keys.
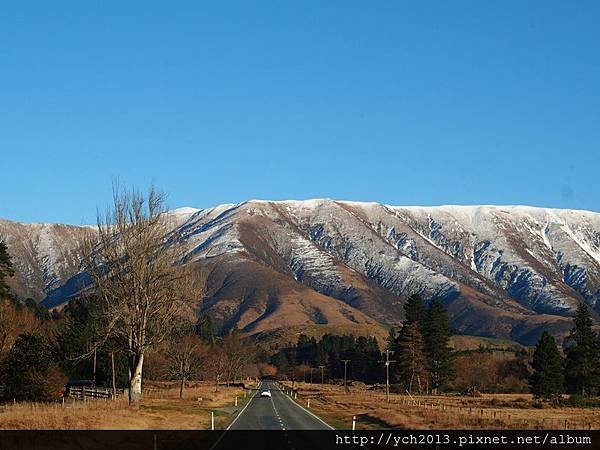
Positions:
{"x": 490, "y": 372}
{"x": 13, "y": 322}
{"x": 161, "y": 408}
{"x": 490, "y": 411}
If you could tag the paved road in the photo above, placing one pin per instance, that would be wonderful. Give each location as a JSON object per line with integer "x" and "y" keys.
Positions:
{"x": 279, "y": 412}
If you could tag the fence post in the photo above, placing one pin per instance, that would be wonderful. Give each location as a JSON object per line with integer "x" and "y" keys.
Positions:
{"x": 353, "y": 423}
{"x": 212, "y": 420}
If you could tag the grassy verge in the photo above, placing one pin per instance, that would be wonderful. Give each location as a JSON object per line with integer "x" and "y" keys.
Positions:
{"x": 161, "y": 408}
{"x": 502, "y": 411}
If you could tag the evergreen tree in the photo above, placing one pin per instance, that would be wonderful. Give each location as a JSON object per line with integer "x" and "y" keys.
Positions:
{"x": 77, "y": 336}
{"x": 306, "y": 350}
{"x": 391, "y": 339}
{"x": 6, "y": 269}
{"x": 547, "y": 379}
{"x": 437, "y": 333}
{"x": 28, "y": 370}
{"x": 365, "y": 360}
{"x": 414, "y": 310}
{"x": 582, "y": 371}
{"x": 411, "y": 357}
{"x": 280, "y": 361}
{"x": 414, "y": 314}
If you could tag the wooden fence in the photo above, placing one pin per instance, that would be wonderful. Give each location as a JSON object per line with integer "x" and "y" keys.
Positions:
{"x": 81, "y": 393}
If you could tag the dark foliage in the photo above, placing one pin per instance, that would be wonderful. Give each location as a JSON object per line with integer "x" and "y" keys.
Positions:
{"x": 29, "y": 372}
{"x": 582, "y": 371}
{"x": 6, "y": 269}
{"x": 547, "y": 379}
{"x": 363, "y": 353}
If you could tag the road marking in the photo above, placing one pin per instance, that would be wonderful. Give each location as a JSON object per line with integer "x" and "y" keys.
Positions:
{"x": 243, "y": 409}
{"x": 277, "y": 413}
{"x": 236, "y": 418}
{"x": 307, "y": 411}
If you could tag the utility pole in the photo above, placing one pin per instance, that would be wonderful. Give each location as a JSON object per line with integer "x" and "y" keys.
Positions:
{"x": 322, "y": 378}
{"x": 114, "y": 378}
{"x": 94, "y": 376}
{"x": 387, "y": 363}
{"x": 345, "y": 361}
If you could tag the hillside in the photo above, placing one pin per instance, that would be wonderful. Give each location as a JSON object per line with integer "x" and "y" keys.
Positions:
{"x": 503, "y": 271}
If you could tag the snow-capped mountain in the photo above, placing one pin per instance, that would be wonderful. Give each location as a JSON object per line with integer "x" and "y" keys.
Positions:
{"x": 505, "y": 271}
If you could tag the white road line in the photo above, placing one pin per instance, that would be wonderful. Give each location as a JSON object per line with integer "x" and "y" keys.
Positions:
{"x": 277, "y": 413}
{"x": 236, "y": 418}
{"x": 243, "y": 409}
{"x": 307, "y": 411}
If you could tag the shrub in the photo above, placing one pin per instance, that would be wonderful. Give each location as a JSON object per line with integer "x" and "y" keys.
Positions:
{"x": 29, "y": 371}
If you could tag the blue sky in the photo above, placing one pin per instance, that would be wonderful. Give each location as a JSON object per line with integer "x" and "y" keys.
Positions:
{"x": 417, "y": 103}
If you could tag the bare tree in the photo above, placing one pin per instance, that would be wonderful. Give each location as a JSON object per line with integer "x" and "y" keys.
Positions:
{"x": 237, "y": 355}
{"x": 13, "y": 321}
{"x": 185, "y": 358}
{"x": 217, "y": 365}
{"x": 136, "y": 271}
{"x": 229, "y": 358}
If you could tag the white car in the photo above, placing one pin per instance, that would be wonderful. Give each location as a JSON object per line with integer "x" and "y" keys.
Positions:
{"x": 265, "y": 394}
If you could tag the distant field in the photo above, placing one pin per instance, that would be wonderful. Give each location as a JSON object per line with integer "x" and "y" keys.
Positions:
{"x": 460, "y": 342}
{"x": 493, "y": 411}
{"x": 161, "y": 408}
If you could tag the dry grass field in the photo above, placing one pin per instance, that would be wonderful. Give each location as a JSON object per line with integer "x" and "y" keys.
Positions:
{"x": 493, "y": 411}
{"x": 161, "y": 408}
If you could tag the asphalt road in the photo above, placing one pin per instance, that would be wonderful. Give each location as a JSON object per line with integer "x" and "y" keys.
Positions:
{"x": 279, "y": 412}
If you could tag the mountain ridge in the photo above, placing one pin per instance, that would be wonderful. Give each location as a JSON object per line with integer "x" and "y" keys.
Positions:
{"x": 502, "y": 270}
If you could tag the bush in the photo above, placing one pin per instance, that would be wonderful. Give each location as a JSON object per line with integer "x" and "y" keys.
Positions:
{"x": 490, "y": 372}
{"x": 579, "y": 401}
{"x": 29, "y": 371}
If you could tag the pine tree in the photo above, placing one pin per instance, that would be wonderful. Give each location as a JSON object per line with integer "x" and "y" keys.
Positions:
{"x": 436, "y": 333}
{"x": 414, "y": 310}
{"x": 411, "y": 357}
{"x": 582, "y": 371}
{"x": 6, "y": 269}
{"x": 414, "y": 314}
{"x": 547, "y": 380}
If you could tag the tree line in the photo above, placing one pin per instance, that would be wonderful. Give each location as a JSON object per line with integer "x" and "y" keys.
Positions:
{"x": 305, "y": 359}
{"x": 420, "y": 355}
{"x": 578, "y": 371}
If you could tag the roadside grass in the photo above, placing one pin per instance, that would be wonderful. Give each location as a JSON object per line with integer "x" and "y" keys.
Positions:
{"x": 161, "y": 408}
{"x": 494, "y": 411}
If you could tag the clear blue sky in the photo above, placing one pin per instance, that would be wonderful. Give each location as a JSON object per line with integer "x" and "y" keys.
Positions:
{"x": 404, "y": 103}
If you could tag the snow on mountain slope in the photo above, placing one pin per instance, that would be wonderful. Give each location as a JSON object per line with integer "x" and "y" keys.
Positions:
{"x": 44, "y": 256}
{"x": 508, "y": 271}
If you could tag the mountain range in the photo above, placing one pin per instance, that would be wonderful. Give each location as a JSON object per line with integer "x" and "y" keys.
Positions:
{"x": 278, "y": 268}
